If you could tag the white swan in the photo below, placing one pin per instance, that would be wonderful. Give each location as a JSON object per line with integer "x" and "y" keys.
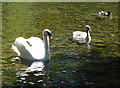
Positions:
{"x": 82, "y": 37}
{"x": 33, "y": 48}
{"x": 102, "y": 13}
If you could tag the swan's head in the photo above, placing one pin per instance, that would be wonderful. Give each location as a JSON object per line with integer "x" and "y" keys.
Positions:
{"x": 88, "y": 27}
{"x": 47, "y": 32}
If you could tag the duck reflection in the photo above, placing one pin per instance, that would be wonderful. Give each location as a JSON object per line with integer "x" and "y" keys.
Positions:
{"x": 36, "y": 74}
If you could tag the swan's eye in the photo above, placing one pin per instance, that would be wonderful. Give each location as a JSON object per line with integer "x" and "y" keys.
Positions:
{"x": 88, "y": 28}
{"x": 49, "y": 34}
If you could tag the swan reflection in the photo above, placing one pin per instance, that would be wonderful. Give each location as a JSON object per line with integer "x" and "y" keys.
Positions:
{"x": 36, "y": 74}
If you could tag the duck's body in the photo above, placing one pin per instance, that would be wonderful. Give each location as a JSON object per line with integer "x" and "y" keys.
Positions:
{"x": 82, "y": 37}
{"x": 33, "y": 48}
{"x": 102, "y": 13}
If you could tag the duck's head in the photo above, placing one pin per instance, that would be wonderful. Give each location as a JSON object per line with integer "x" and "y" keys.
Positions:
{"x": 109, "y": 13}
{"x": 88, "y": 27}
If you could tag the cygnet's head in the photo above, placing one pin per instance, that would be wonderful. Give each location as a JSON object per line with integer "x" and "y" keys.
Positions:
{"x": 88, "y": 27}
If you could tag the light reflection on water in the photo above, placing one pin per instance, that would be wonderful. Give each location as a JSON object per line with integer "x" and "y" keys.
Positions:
{"x": 35, "y": 74}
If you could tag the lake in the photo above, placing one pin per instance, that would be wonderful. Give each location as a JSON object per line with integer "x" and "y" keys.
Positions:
{"x": 71, "y": 64}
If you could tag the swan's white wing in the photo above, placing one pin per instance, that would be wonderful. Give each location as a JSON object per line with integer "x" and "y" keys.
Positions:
{"x": 23, "y": 48}
{"x": 37, "y": 47}
{"x": 32, "y": 48}
{"x": 16, "y": 50}
{"x": 79, "y": 36}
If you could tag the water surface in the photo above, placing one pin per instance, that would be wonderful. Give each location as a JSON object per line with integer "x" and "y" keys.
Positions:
{"x": 71, "y": 64}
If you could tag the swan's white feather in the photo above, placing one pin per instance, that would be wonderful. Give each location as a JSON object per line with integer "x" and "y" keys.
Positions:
{"x": 79, "y": 36}
{"x": 37, "y": 47}
{"x": 15, "y": 49}
{"x": 32, "y": 48}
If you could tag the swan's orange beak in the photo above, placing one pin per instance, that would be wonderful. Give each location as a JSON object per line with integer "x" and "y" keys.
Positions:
{"x": 50, "y": 37}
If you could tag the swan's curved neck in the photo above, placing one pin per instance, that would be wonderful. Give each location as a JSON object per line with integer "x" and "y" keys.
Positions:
{"x": 88, "y": 34}
{"x": 46, "y": 44}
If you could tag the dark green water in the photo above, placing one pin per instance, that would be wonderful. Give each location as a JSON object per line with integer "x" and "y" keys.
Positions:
{"x": 71, "y": 65}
